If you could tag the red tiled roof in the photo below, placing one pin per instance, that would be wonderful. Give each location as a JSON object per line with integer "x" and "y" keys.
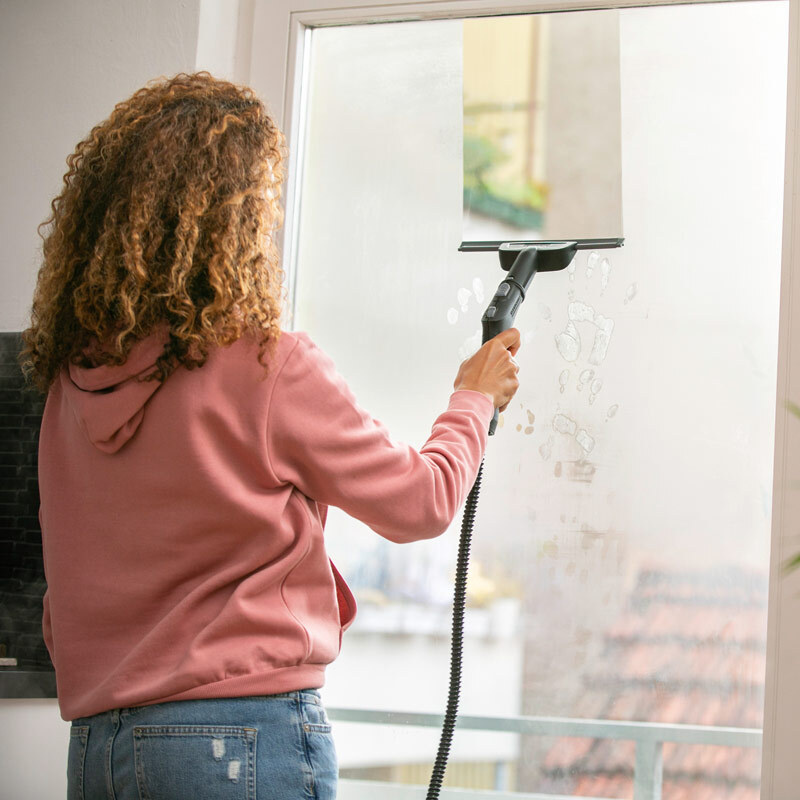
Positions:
{"x": 686, "y": 663}
{"x": 621, "y": 788}
{"x": 567, "y": 753}
{"x": 689, "y": 649}
{"x": 659, "y": 622}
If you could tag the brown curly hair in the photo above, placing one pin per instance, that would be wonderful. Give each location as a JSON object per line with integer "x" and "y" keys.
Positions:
{"x": 168, "y": 214}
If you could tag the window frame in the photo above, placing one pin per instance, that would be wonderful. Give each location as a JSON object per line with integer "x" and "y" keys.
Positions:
{"x": 279, "y": 58}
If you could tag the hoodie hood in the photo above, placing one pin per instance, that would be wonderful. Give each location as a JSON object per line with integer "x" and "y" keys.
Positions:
{"x": 108, "y": 401}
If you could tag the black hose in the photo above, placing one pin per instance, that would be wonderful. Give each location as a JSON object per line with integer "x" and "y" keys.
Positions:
{"x": 457, "y": 641}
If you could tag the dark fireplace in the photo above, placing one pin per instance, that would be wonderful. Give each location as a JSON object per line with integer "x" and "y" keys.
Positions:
{"x": 25, "y": 667}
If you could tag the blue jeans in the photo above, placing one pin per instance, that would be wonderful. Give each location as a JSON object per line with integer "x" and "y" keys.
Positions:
{"x": 273, "y": 747}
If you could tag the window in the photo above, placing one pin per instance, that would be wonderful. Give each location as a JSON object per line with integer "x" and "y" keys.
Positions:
{"x": 591, "y": 523}
{"x": 541, "y": 111}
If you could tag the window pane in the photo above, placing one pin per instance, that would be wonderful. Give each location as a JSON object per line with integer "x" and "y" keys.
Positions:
{"x": 621, "y": 542}
{"x": 542, "y": 127}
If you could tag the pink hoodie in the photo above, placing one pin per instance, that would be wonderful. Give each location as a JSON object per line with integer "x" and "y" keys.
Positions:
{"x": 182, "y": 522}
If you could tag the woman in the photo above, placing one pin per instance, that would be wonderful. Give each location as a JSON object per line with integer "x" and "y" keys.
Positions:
{"x": 188, "y": 452}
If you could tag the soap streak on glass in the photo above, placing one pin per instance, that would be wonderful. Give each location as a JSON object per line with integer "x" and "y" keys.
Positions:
{"x": 584, "y": 378}
{"x": 584, "y": 440}
{"x": 563, "y": 424}
{"x": 591, "y": 262}
{"x": 605, "y": 271}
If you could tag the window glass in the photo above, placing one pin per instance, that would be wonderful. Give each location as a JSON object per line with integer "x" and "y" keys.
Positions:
{"x": 542, "y": 126}
{"x": 621, "y": 542}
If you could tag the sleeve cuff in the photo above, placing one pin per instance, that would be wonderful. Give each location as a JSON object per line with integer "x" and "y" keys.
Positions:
{"x": 470, "y": 400}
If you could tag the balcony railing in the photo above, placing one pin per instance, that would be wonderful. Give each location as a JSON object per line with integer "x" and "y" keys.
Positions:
{"x": 649, "y": 738}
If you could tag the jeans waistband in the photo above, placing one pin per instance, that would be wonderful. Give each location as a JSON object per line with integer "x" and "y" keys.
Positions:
{"x": 307, "y": 695}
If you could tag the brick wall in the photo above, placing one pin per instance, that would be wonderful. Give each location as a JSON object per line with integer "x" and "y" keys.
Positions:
{"x": 21, "y": 570}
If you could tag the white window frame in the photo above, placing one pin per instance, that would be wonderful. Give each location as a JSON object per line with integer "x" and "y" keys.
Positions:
{"x": 278, "y": 49}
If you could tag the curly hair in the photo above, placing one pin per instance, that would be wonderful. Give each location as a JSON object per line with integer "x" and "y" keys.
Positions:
{"x": 167, "y": 216}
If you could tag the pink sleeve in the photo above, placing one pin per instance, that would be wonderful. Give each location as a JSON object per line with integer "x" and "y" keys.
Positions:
{"x": 321, "y": 441}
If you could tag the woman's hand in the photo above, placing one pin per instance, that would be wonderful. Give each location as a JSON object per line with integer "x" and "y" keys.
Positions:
{"x": 493, "y": 370}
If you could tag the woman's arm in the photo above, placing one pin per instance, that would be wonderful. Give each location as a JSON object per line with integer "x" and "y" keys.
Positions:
{"x": 320, "y": 440}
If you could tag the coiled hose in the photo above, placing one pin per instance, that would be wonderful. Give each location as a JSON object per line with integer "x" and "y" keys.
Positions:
{"x": 457, "y": 640}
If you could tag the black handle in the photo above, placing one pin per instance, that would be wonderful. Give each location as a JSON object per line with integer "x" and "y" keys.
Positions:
{"x": 498, "y": 317}
{"x": 522, "y": 263}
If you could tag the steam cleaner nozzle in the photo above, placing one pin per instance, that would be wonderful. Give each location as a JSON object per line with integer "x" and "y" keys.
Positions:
{"x": 522, "y": 261}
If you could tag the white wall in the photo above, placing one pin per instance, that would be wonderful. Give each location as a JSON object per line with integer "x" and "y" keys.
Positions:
{"x": 33, "y": 750}
{"x": 63, "y": 67}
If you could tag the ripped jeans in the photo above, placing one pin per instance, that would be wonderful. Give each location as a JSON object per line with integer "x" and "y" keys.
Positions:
{"x": 273, "y": 747}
